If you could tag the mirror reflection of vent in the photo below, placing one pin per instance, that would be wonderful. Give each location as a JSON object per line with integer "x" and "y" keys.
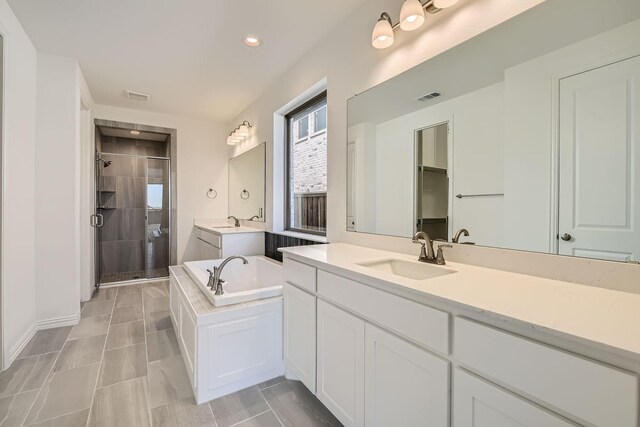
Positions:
{"x": 428, "y": 96}
{"x": 138, "y": 96}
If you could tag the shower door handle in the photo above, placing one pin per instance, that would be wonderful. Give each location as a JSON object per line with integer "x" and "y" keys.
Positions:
{"x": 97, "y": 220}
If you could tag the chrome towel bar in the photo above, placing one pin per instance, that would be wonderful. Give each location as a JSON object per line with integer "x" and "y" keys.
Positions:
{"x": 460, "y": 196}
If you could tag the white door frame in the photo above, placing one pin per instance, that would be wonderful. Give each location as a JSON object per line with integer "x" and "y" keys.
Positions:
{"x": 86, "y": 203}
{"x": 3, "y": 79}
{"x": 587, "y": 65}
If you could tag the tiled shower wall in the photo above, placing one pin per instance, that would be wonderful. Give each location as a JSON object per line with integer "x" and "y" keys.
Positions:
{"x": 123, "y": 233}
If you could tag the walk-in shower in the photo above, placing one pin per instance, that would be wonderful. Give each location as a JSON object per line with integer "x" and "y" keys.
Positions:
{"x": 133, "y": 214}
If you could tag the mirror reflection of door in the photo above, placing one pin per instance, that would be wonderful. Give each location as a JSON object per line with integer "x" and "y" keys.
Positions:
{"x": 432, "y": 182}
{"x": 599, "y": 190}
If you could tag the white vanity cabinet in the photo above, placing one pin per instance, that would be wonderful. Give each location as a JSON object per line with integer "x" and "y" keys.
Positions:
{"x": 219, "y": 243}
{"x": 300, "y": 335}
{"x": 340, "y": 385}
{"x": 401, "y": 378}
{"x": 377, "y": 358}
{"x": 365, "y": 374}
{"x": 478, "y": 403}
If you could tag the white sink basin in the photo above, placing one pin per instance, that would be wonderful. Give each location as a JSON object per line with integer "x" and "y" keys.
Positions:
{"x": 408, "y": 269}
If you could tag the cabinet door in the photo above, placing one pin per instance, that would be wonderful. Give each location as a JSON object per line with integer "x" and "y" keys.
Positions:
{"x": 341, "y": 364}
{"x": 477, "y": 403}
{"x": 300, "y": 335}
{"x": 405, "y": 385}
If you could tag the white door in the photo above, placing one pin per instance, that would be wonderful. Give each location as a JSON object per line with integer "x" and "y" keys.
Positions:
{"x": 341, "y": 364}
{"x": 477, "y": 403}
{"x": 300, "y": 335}
{"x": 599, "y": 188}
{"x": 403, "y": 379}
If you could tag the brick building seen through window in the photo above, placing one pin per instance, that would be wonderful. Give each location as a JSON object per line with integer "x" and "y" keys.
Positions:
{"x": 307, "y": 167}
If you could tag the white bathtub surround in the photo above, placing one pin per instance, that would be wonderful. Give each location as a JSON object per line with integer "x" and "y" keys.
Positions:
{"x": 229, "y": 348}
{"x": 534, "y": 350}
{"x": 260, "y": 278}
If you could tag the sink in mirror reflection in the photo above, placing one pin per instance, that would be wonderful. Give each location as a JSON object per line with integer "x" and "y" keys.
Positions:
{"x": 407, "y": 269}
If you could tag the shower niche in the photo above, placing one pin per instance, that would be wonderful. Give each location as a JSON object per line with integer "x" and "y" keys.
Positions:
{"x": 133, "y": 218}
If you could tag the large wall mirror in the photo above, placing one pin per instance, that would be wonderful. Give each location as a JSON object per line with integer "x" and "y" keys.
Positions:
{"x": 247, "y": 184}
{"x": 526, "y": 135}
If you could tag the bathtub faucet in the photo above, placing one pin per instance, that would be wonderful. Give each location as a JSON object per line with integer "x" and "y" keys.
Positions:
{"x": 216, "y": 286}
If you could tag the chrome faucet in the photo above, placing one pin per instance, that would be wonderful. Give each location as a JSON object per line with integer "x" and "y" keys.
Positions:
{"x": 426, "y": 251}
{"x": 255, "y": 216}
{"x": 463, "y": 232}
{"x": 236, "y": 221}
{"x": 215, "y": 282}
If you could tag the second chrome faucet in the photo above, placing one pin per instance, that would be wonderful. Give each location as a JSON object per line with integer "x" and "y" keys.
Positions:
{"x": 426, "y": 250}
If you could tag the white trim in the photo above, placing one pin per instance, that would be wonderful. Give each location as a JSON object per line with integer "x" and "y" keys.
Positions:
{"x": 21, "y": 344}
{"x": 3, "y": 162}
{"x": 58, "y": 322}
{"x": 40, "y": 325}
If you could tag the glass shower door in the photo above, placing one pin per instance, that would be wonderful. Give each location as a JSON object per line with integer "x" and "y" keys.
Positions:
{"x": 158, "y": 217}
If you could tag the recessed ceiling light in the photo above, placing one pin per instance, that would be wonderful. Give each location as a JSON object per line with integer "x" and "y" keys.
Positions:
{"x": 134, "y": 132}
{"x": 252, "y": 41}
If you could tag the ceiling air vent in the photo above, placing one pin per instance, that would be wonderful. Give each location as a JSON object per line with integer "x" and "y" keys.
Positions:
{"x": 138, "y": 96}
{"x": 428, "y": 96}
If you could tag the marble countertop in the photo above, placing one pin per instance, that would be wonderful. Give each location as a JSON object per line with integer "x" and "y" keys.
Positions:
{"x": 224, "y": 228}
{"x": 603, "y": 318}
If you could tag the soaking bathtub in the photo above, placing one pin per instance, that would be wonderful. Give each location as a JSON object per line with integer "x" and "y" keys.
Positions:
{"x": 261, "y": 278}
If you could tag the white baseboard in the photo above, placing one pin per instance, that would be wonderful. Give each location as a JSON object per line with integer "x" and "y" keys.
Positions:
{"x": 20, "y": 345}
{"x": 57, "y": 322}
{"x": 39, "y": 326}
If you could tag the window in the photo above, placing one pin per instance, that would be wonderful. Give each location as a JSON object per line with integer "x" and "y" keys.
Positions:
{"x": 320, "y": 120}
{"x": 301, "y": 129}
{"x": 307, "y": 167}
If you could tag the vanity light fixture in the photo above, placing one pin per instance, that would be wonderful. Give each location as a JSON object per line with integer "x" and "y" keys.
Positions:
{"x": 252, "y": 40}
{"x": 411, "y": 18}
{"x": 411, "y": 15}
{"x": 239, "y": 134}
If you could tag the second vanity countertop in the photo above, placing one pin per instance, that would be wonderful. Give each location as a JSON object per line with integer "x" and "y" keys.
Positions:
{"x": 221, "y": 227}
{"x": 604, "y": 318}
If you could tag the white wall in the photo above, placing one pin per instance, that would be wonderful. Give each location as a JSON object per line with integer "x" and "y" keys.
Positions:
{"x": 202, "y": 164}
{"x": 56, "y": 244}
{"x": 350, "y": 65}
{"x": 18, "y": 236}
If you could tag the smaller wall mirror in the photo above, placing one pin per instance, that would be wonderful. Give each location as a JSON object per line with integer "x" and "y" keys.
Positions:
{"x": 247, "y": 184}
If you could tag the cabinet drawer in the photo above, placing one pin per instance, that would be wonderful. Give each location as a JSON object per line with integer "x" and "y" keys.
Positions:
{"x": 416, "y": 322}
{"x": 300, "y": 274}
{"x": 210, "y": 238}
{"x": 598, "y": 394}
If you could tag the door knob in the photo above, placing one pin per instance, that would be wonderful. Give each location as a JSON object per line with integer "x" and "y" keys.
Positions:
{"x": 566, "y": 237}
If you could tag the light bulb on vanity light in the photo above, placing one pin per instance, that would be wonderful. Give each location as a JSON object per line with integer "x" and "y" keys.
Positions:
{"x": 382, "y": 35}
{"x": 230, "y": 140}
{"x": 443, "y": 4}
{"x": 411, "y": 15}
{"x": 243, "y": 131}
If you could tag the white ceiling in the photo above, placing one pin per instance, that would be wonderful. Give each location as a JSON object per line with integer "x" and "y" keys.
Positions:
{"x": 188, "y": 54}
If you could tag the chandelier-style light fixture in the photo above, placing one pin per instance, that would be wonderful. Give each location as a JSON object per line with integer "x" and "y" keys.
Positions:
{"x": 411, "y": 18}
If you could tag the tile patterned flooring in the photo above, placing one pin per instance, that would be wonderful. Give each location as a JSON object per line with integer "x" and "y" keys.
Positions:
{"x": 121, "y": 366}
